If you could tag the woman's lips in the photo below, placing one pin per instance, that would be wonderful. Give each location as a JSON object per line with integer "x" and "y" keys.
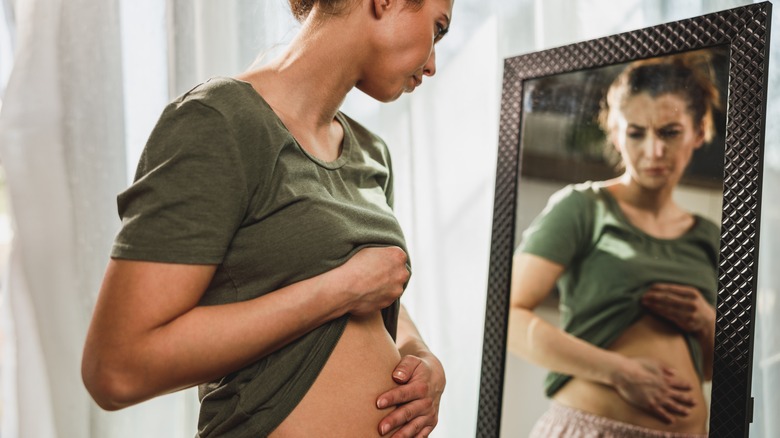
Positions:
{"x": 655, "y": 170}
{"x": 415, "y": 83}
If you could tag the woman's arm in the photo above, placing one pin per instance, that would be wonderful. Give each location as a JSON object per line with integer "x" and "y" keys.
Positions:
{"x": 148, "y": 336}
{"x": 422, "y": 381}
{"x": 642, "y": 382}
{"x": 540, "y": 342}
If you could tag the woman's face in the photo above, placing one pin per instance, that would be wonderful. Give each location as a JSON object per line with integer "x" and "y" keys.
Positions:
{"x": 405, "y": 48}
{"x": 656, "y": 138}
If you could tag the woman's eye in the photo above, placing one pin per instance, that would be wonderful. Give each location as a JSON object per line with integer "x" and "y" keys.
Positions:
{"x": 440, "y": 32}
{"x": 636, "y": 135}
{"x": 669, "y": 133}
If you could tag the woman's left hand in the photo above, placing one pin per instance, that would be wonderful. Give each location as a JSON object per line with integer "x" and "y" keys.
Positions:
{"x": 421, "y": 381}
{"x": 682, "y": 305}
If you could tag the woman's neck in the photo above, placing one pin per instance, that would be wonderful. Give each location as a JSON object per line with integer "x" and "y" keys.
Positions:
{"x": 310, "y": 80}
{"x": 653, "y": 202}
{"x": 652, "y": 211}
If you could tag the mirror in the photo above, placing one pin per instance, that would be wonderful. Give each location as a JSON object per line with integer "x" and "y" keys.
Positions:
{"x": 549, "y": 138}
{"x": 562, "y": 143}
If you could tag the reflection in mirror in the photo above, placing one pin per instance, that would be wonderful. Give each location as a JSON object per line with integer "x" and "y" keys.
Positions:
{"x": 614, "y": 278}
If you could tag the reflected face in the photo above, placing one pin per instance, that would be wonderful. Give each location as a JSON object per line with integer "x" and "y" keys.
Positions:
{"x": 656, "y": 138}
{"x": 406, "y": 49}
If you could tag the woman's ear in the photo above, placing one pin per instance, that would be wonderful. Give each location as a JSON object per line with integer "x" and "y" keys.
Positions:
{"x": 700, "y": 137}
{"x": 381, "y": 7}
{"x": 612, "y": 138}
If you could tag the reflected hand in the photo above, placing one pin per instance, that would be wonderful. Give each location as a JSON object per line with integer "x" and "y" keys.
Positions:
{"x": 683, "y": 305}
{"x": 421, "y": 381}
{"x": 653, "y": 387}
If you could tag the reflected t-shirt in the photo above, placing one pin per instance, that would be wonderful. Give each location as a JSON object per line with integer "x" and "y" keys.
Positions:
{"x": 609, "y": 263}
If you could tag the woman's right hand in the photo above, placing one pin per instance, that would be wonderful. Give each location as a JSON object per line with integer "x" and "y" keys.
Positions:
{"x": 653, "y": 387}
{"x": 373, "y": 278}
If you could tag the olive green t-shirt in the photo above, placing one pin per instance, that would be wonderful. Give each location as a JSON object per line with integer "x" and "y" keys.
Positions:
{"x": 222, "y": 181}
{"x": 609, "y": 263}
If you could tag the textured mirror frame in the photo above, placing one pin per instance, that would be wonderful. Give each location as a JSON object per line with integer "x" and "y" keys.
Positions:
{"x": 746, "y": 31}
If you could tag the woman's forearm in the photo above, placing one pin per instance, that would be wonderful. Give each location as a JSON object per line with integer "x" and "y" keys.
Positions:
{"x": 409, "y": 340}
{"x": 547, "y": 346}
{"x": 706, "y": 339}
{"x": 149, "y": 335}
{"x": 135, "y": 352}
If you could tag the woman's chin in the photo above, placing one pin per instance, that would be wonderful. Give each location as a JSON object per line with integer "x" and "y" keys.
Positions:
{"x": 384, "y": 97}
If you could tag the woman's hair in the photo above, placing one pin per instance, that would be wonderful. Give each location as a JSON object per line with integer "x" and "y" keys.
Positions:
{"x": 301, "y": 8}
{"x": 689, "y": 76}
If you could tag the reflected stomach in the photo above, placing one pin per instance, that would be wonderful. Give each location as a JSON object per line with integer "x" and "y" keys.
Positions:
{"x": 653, "y": 338}
{"x": 342, "y": 400}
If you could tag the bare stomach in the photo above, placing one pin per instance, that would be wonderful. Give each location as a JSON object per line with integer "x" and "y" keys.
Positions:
{"x": 652, "y": 338}
{"x": 342, "y": 400}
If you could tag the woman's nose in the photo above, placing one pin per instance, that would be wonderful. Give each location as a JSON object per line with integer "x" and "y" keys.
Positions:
{"x": 655, "y": 146}
{"x": 429, "y": 69}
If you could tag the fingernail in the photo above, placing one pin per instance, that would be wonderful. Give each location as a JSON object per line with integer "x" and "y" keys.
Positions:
{"x": 400, "y": 374}
{"x": 384, "y": 429}
{"x": 381, "y": 403}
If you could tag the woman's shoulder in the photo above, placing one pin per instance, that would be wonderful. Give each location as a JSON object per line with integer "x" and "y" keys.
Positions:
{"x": 228, "y": 102}
{"x": 579, "y": 194}
{"x": 221, "y": 93}
{"x": 707, "y": 229}
{"x": 707, "y": 224}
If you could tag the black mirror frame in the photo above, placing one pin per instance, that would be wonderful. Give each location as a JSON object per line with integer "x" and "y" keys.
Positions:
{"x": 746, "y": 31}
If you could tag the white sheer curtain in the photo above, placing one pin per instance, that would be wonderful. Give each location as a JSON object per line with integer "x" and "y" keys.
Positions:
{"x": 766, "y": 360}
{"x": 62, "y": 150}
{"x": 89, "y": 80}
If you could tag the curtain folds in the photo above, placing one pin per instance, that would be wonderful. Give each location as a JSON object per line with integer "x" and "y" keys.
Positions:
{"x": 62, "y": 150}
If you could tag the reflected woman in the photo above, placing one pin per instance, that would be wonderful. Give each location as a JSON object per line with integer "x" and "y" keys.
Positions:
{"x": 636, "y": 272}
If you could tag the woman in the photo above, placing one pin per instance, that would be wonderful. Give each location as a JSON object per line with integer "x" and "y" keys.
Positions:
{"x": 635, "y": 271}
{"x": 258, "y": 247}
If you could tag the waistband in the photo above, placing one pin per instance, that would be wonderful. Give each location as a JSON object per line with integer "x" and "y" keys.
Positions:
{"x": 564, "y": 422}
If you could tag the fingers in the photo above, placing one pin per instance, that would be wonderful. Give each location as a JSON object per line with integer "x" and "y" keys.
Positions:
{"x": 425, "y": 432}
{"x": 674, "y": 405}
{"x": 683, "y": 401}
{"x": 677, "y": 401}
{"x": 683, "y": 311}
{"x": 661, "y": 413}
{"x": 678, "y": 289}
{"x": 407, "y": 392}
{"x": 670, "y": 302}
{"x": 403, "y": 394}
{"x": 663, "y": 394}
{"x": 673, "y": 296}
{"x": 680, "y": 385}
{"x": 405, "y": 369}
{"x": 675, "y": 382}
{"x": 372, "y": 279}
{"x": 410, "y": 430}
{"x": 677, "y": 405}
{"x": 411, "y": 418}
{"x": 416, "y": 399}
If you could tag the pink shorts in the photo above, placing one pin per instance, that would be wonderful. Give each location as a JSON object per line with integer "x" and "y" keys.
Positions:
{"x": 564, "y": 422}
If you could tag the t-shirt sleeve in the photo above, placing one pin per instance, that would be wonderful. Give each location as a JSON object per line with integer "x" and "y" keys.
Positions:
{"x": 389, "y": 189}
{"x": 562, "y": 230}
{"x": 190, "y": 194}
